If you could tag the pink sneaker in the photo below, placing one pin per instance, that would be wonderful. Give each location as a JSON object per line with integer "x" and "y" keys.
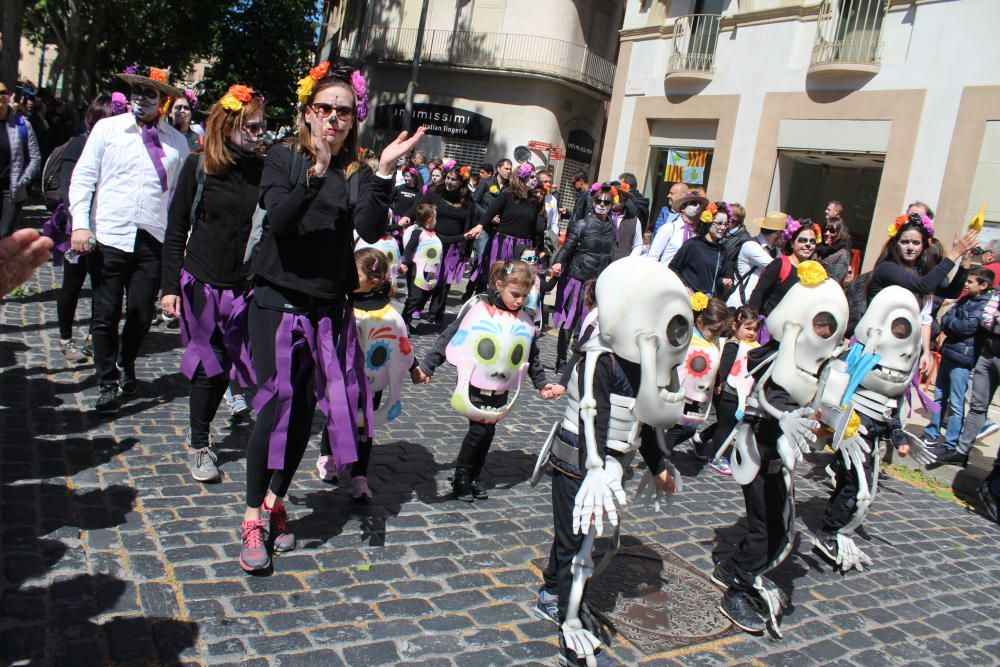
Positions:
{"x": 277, "y": 530}
{"x": 359, "y": 489}
{"x": 253, "y": 550}
{"x": 327, "y": 469}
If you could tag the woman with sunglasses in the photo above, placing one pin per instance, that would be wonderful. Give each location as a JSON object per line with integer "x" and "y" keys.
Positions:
{"x": 835, "y": 251}
{"x": 779, "y": 276}
{"x": 299, "y": 318}
{"x": 215, "y": 200}
{"x": 699, "y": 262}
{"x": 181, "y": 115}
{"x": 589, "y": 247}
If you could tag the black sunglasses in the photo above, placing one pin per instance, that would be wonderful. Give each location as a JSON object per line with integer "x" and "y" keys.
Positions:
{"x": 145, "y": 91}
{"x": 326, "y": 110}
{"x": 606, "y": 202}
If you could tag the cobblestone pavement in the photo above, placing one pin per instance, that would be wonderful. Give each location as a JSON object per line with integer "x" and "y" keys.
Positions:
{"x": 112, "y": 554}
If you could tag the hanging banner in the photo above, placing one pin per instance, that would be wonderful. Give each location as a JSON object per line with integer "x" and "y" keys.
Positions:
{"x": 686, "y": 167}
{"x": 438, "y": 119}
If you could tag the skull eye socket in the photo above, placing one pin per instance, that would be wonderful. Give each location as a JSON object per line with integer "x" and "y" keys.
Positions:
{"x": 486, "y": 349}
{"x": 517, "y": 355}
{"x": 431, "y": 253}
{"x": 699, "y": 364}
{"x": 901, "y": 328}
{"x": 678, "y": 331}
{"x": 824, "y": 324}
{"x": 378, "y": 355}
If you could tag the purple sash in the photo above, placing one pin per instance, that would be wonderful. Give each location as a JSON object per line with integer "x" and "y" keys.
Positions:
{"x": 56, "y": 229}
{"x": 571, "y": 306}
{"x": 502, "y": 248}
{"x": 454, "y": 264}
{"x": 151, "y": 140}
{"x": 236, "y": 337}
{"x": 197, "y": 330}
{"x": 310, "y": 344}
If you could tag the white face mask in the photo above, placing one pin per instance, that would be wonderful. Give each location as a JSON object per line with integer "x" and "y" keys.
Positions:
{"x": 691, "y": 210}
{"x": 601, "y": 209}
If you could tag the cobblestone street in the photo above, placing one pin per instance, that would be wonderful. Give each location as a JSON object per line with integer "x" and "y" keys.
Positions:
{"x": 111, "y": 554}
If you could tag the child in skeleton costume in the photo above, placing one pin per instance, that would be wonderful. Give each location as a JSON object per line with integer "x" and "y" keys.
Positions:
{"x": 624, "y": 377}
{"x": 492, "y": 346}
{"x": 422, "y": 261}
{"x": 387, "y": 245}
{"x": 388, "y": 358}
{"x": 882, "y": 359}
{"x": 809, "y": 324}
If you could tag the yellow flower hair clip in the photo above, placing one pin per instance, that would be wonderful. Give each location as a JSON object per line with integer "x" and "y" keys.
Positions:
{"x": 699, "y": 302}
{"x": 811, "y": 273}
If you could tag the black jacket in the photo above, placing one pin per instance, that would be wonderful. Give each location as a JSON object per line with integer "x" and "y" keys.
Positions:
{"x": 214, "y": 252}
{"x": 589, "y": 247}
{"x": 698, "y": 264}
{"x": 309, "y": 245}
{"x": 452, "y": 221}
{"x": 961, "y": 329}
{"x": 404, "y": 200}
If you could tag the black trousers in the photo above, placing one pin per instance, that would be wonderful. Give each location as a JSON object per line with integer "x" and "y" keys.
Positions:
{"x": 765, "y": 498}
{"x": 263, "y": 324}
{"x": 74, "y": 275}
{"x": 416, "y": 299}
{"x": 360, "y": 467}
{"x": 206, "y": 392}
{"x": 558, "y": 575}
{"x": 725, "y": 422}
{"x": 477, "y": 441}
{"x": 439, "y": 299}
{"x": 114, "y": 275}
{"x": 843, "y": 501}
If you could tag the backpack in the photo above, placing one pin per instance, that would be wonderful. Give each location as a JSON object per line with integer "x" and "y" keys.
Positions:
{"x": 857, "y": 301}
{"x": 52, "y": 176}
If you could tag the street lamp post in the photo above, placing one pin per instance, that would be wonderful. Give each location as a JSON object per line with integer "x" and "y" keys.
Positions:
{"x": 412, "y": 86}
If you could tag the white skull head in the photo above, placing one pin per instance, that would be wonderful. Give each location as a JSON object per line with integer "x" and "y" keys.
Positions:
{"x": 890, "y": 328}
{"x": 388, "y": 357}
{"x": 700, "y": 367}
{"x": 389, "y": 246}
{"x": 490, "y": 353}
{"x": 645, "y": 317}
{"x": 809, "y": 321}
{"x": 427, "y": 261}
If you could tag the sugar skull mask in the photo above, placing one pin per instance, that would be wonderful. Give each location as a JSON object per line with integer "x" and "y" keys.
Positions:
{"x": 390, "y": 247}
{"x": 700, "y": 367}
{"x": 645, "y": 317}
{"x": 388, "y": 357}
{"x": 890, "y": 328}
{"x": 427, "y": 261}
{"x": 490, "y": 352}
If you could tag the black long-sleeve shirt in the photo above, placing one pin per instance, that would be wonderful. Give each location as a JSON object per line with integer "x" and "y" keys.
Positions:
{"x": 404, "y": 200}
{"x": 214, "y": 253}
{"x": 770, "y": 289}
{"x": 452, "y": 221}
{"x": 698, "y": 264}
{"x": 518, "y": 217}
{"x": 932, "y": 282}
{"x": 309, "y": 245}
{"x": 437, "y": 355}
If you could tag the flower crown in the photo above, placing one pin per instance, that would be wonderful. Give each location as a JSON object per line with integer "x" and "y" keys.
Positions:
{"x": 448, "y": 165}
{"x": 236, "y": 97}
{"x": 811, "y": 273}
{"x": 708, "y": 215}
{"x": 191, "y": 98}
{"x": 525, "y": 170}
{"x": 913, "y": 218}
{"x": 464, "y": 172}
{"x": 154, "y": 73}
{"x": 795, "y": 226}
{"x": 613, "y": 189}
{"x": 699, "y": 302}
{"x": 119, "y": 104}
{"x": 357, "y": 80}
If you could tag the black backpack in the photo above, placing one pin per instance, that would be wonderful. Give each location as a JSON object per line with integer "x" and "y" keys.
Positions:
{"x": 52, "y": 173}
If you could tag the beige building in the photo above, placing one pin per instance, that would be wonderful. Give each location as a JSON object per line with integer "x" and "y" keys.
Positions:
{"x": 494, "y": 74}
{"x": 787, "y": 104}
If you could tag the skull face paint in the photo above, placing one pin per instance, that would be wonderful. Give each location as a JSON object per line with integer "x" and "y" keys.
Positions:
{"x": 890, "y": 328}
{"x": 490, "y": 352}
{"x": 145, "y": 102}
{"x": 645, "y": 317}
{"x": 427, "y": 261}
{"x": 388, "y": 357}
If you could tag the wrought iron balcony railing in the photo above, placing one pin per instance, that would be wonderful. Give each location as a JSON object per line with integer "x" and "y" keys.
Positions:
{"x": 848, "y": 35}
{"x": 504, "y": 52}
{"x": 693, "y": 51}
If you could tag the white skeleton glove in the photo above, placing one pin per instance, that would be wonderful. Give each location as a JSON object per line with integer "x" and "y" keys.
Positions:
{"x": 600, "y": 489}
{"x": 799, "y": 426}
{"x": 581, "y": 641}
{"x": 853, "y": 450}
{"x": 919, "y": 452}
{"x": 849, "y": 556}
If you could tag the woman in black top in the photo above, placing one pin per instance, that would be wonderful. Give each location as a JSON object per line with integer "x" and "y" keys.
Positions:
{"x": 300, "y": 320}
{"x": 699, "y": 261}
{"x": 454, "y": 218}
{"x": 779, "y": 276}
{"x": 202, "y": 273}
{"x": 404, "y": 197}
{"x": 835, "y": 251}
{"x": 590, "y": 244}
{"x": 521, "y": 207}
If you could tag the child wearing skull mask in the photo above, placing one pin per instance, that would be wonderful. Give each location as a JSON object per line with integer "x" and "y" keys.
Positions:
{"x": 421, "y": 259}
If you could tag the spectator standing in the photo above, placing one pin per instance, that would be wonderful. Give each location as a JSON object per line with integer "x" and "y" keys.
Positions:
{"x": 181, "y": 113}
{"x": 638, "y": 203}
{"x": 835, "y": 251}
{"x": 671, "y": 236}
{"x": 734, "y": 239}
{"x": 699, "y": 261}
{"x": 20, "y": 160}
{"x": 834, "y": 211}
{"x": 755, "y": 255}
{"x": 670, "y": 212}
{"x": 989, "y": 261}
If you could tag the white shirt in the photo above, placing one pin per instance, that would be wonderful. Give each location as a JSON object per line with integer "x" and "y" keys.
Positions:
{"x": 552, "y": 214}
{"x": 753, "y": 257}
{"x": 669, "y": 239}
{"x": 115, "y": 191}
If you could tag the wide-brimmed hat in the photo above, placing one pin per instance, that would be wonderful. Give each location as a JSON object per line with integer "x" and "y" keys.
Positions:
{"x": 154, "y": 77}
{"x": 774, "y": 221}
{"x": 689, "y": 198}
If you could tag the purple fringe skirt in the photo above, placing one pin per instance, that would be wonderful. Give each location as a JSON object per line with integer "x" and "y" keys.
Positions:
{"x": 571, "y": 304}
{"x": 502, "y": 248}
{"x": 197, "y": 330}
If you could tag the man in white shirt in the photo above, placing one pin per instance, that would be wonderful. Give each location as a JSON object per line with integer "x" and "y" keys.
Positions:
{"x": 672, "y": 235}
{"x": 755, "y": 254}
{"x": 119, "y": 194}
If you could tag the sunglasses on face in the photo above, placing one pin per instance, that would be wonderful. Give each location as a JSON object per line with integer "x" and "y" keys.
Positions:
{"x": 323, "y": 110}
{"x": 255, "y": 128}
{"x": 606, "y": 202}
{"x": 143, "y": 91}
{"x": 530, "y": 259}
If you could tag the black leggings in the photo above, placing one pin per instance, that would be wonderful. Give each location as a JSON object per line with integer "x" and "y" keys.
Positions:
{"x": 477, "y": 441}
{"x": 263, "y": 324}
{"x": 558, "y": 574}
{"x": 206, "y": 392}
{"x": 416, "y": 299}
{"x": 74, "y": 276}
{"x": 725, "y": 416}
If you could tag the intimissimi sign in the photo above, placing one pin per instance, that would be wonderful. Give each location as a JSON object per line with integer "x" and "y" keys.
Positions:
{"x": 440, "y": 120}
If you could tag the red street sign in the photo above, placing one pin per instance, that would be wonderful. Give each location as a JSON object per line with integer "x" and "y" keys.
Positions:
{"x": 539, "y": 145}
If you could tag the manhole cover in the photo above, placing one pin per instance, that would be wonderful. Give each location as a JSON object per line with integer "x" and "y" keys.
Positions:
{"x": 655, "y": 599}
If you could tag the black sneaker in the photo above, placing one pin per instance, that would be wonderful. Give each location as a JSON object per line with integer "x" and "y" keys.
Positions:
{"x": 478, "y": 492}
{"x": 126, "y": 381}
{"x": 108, "y": 401}
{"x": 826, "y": 544}
{"x": 723, "y": 574}
{"x": 461, "y": 486}
{"x": 989, "y": 501}
{"x": 740, "y": 608}
{"x": 954, "y": 457}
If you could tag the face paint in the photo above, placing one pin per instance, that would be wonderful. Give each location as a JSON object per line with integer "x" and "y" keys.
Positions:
{"x": 145, "y": 107}
{"x": 691, "y": 210}
{"x": 427, "y": 261}
{"x": 888, "y": 328}
{"x": 388, "y": 357}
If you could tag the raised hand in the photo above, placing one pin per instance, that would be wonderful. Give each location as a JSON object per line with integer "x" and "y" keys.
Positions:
{"x": 397, "y": 149}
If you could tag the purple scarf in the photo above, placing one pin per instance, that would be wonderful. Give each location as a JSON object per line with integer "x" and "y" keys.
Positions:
{"x": 57, "y": 229}
{"x": 151, "y": 140}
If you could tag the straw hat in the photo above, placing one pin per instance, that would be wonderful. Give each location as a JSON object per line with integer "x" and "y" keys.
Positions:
{"x": 774, "y": 221}
{"x": 690, "y": 198}
{"x": 153, "y": 77}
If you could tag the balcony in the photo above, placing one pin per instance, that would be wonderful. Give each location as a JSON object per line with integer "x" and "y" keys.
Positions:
{"x": 693, "y": 55}
{"x": 848, "y": 38}
{"x": 493, "y": 51}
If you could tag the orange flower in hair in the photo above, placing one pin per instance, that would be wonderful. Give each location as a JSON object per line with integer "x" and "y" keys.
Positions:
{"x": 713, "y": 209}
{"x": 625, "y": 187}
{"x": 319, "y": 71}
{"x": 157, "y": 74}
{"x": 241, "y": 92}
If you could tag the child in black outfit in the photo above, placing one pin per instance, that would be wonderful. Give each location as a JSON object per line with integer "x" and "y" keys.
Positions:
{"x": 418, "y": 291}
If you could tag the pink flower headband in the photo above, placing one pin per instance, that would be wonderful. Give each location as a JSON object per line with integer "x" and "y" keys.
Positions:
{"x": 360, "y": 86}
{"x": 119, "y": 103}
{"x": 448, "y": 165}
{"x": 191, "y": 98}
{"x": 914, "y": 219}
{"x": 525, "y": 170}
{"x": 795, "y": 226}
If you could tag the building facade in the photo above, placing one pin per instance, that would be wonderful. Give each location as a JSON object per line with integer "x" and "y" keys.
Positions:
{"x": 788, "y": 104}
{"x": 495, "y": 75}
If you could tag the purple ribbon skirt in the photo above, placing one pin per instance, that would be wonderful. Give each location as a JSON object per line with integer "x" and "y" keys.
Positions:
{"x": 571, "y": 304}
{"x": 197, "y": 330}
{"x": 454, "y": 264}
{"x": 502, "y": 248}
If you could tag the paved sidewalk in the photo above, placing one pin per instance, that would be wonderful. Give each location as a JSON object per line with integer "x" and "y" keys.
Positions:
{"x": 111, "y": 554}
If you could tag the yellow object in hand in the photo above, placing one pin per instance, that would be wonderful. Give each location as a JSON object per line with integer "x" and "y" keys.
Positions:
{"x": 979, "y": 219}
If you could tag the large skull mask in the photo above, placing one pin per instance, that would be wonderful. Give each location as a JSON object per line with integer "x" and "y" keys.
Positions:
{"x": 388, "y": 357}
{"x": 645, "y": 316}
{"x": 427, "y": 261}
{"x": 700, "y": 367}
{"x": 890, "y": 328}
{"x": 490, "y": 352}
{"x": 794, "y": 322}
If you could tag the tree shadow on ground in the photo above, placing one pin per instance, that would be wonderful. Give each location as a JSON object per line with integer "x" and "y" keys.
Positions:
{"x": 57, "y": 458}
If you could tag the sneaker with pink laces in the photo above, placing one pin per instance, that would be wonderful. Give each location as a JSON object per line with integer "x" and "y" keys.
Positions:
{"x": 327, "y": 469}
{"x": 253, "y": 550}
{"x": 281, "y": 538}
{"x": 359, "y": 489}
